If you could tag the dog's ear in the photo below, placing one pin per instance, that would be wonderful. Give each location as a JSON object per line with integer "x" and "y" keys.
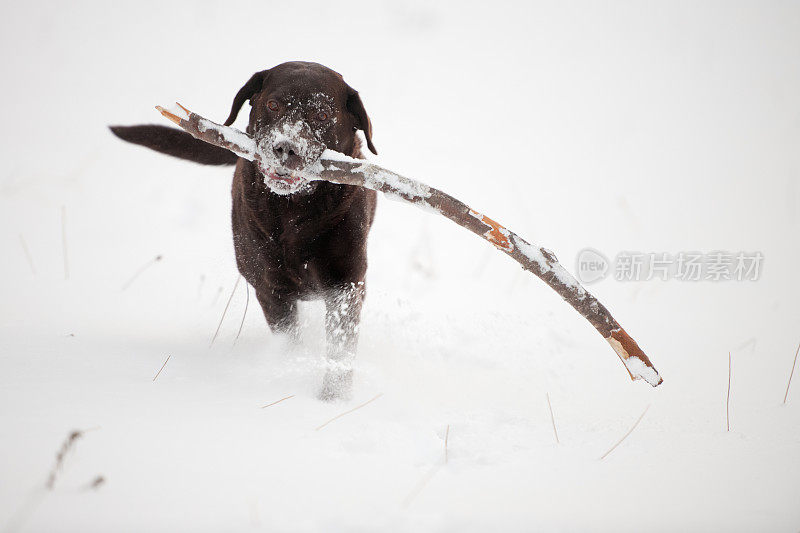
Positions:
{"x": 248, "y": 90}
{"x": 356, "y": 107}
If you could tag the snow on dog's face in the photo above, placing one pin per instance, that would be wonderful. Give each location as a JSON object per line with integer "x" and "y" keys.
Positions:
{"x": 298, "y": 110}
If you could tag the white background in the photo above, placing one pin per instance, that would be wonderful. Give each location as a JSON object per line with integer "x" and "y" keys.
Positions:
{"x": 653, "y": 127}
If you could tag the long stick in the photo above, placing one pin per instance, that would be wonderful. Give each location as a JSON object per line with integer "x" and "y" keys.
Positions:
{"x": 790, "y": 375}
{"x": 614, "y": 447}
{"x": 338, "y": 168}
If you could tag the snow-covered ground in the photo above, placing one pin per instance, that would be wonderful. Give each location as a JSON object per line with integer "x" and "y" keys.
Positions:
{"x": 622, "y": 127}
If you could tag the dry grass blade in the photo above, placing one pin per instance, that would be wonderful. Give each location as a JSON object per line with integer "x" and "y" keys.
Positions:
{"x": 64, "y": 240}
{"x": 349, "y": 411}
{"x": 66, "y": 446}
{"x": 728, "y": 398}
{"x": 18, "y": 518}
{"x": 224, "y": 311}
{"x": 246, "y": 305}
{"x": 446, "y": 437}
{"x": 279, "y": 401}
{"x": 790, "y": 375}
{"x": 139, "y": 272}
{"x": 216, "y": 297}
{"x": 421, "y": 484}
{"x": 162, "y": 367}
{"x": 200, "y": 286}
{"x": 552, "y": 418}
{"x": 614, "y": 447}
{"x": 27, "y": 253}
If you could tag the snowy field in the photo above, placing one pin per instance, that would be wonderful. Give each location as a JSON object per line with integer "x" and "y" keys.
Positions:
{"x": 622, "y": 127}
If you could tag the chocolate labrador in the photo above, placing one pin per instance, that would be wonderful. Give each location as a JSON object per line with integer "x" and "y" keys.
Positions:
{"x": 294, "y": 240}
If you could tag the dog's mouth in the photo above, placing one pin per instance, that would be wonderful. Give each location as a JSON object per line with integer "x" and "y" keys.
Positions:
{"x": 282, "y": 181}
{"x": 288, "y": 149}
{"x": 284, "y": 176}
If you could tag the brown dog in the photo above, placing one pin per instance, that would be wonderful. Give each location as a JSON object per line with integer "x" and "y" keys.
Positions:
{"x": 294, "y": 239}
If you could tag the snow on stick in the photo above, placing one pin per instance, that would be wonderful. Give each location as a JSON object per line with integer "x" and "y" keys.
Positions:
{"x": 338, "y": 168}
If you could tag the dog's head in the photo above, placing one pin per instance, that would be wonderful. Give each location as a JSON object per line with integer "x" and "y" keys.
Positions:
{"x": 298, "y": 110}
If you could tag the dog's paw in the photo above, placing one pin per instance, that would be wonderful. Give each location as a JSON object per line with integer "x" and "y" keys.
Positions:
{"x": 336, "y": 385}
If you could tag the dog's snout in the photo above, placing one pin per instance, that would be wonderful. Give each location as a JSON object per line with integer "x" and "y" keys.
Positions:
{"x": 284, "y": 147}
{"x": 287, "y": 154}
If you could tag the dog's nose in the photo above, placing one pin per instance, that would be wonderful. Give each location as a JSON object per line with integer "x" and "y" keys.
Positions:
{"x": 287, "y": 154}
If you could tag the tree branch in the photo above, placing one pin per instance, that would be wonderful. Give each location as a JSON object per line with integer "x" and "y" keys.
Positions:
{"x": 338, "y": 168}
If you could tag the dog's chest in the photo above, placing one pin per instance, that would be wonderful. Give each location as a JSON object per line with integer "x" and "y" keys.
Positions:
{"x": 301, "y": 234}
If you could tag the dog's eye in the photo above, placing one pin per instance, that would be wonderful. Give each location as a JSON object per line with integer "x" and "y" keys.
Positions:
{"x": 322, "y": 116}
{"x": 272, "y": 105}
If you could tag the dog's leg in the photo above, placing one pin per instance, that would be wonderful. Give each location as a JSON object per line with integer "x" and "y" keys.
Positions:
{"x": 280, "y": 310}
{"x": 342, "y": 316}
